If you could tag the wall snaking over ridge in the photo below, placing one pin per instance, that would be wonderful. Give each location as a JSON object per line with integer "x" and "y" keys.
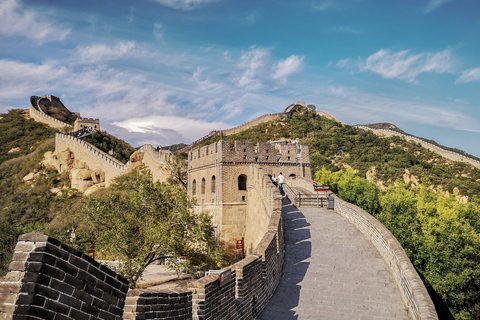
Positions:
{"x": 42, "y": 117}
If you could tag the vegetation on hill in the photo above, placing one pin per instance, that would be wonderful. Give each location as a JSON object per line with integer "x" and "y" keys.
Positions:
{"x": 25, "y": 206}
{"x": 156, "y": 220}
{"x": 389, "y": 126}
{"x": 60, "y": 112}
{"x": 105, "y": 142}
{"x": 405, "y": 186}
{"x": 20, "y": 136}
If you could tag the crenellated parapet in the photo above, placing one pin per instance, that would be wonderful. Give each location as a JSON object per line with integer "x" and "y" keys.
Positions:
{"x": 279, "y": 153}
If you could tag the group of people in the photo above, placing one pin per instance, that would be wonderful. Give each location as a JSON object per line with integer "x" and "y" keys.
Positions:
{"x": 278, "y": 181}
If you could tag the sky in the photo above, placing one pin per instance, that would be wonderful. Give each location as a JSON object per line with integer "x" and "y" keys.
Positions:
{"x": 170, "y": 71}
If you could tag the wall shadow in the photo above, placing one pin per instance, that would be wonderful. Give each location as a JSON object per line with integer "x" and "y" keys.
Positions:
{"x": 298, "y": 248}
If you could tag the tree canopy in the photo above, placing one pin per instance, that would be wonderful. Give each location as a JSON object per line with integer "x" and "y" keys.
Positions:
{"x": 138, "y": 221}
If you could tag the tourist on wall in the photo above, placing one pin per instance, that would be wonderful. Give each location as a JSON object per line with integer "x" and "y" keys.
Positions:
{"x": 274, "y": 180}
{"x": 280, "y": 179}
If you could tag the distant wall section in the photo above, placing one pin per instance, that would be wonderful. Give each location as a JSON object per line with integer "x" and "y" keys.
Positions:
{"x": 38, "y": 115}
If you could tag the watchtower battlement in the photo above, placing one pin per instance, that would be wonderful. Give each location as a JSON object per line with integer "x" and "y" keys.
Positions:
{"x": 86, "y": 123}
{"x": 245, "y": 152}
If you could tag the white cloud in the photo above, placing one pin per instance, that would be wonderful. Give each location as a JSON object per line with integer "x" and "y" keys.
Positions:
{"x": 356, "y": 106}
{"x": 184, "y": 4}
{"x": 103, "y": 53}
{"x": 158, "y": 31}
{"x": 469, "y": 76}
{"x": 346, "y": 29}
{"x": 191, "y": 129}
{"x": 403, "y": 65}
{"x": 284, "y": 68}
{"x": 251, "y": 62}
{"x": 323, "y": 6}
{"x": 16, "y": 20}
{"x": 18, "y": 78}
{"x": 434, "y": 4}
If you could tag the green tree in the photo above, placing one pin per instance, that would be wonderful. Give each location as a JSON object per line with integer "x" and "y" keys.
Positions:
{"x": 176, "y": 166}
{"x": 138, "y": 221}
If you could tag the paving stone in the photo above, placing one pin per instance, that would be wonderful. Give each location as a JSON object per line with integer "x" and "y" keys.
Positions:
{"x": 331, "y": 271}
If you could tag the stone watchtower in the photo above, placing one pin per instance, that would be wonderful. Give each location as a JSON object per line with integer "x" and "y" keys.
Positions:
{"x": 86, "y": 123}
{"x": 218, "y": 177}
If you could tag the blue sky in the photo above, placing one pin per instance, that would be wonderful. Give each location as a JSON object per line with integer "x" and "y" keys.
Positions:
{"x": 170, "y": 71}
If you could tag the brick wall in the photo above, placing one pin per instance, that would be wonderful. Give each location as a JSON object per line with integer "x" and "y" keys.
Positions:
{"x": 413, "y": 290}
{"x": 154, "y": 304}
{"x": 49, "y": 280}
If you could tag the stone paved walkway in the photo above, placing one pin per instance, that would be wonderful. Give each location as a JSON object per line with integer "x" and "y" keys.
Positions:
{"x": 331, "y": 271}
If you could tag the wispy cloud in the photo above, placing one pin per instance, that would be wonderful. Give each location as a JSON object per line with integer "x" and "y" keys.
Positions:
{"x": 184, "y": 4}
{"x": 103, "y": 53}
{"x": 17, "y": 20}
{"x": 191, "y": 129}
{"x": 403, "y": 65}
{"x": 323, "y": 5}
{"x": 131, "y": 16}
{"x": 284, "y": 68}
{"x": 434, "y": 4}
{"x": 357, "y": 106}
{"x": 252, "y": 62}
{"x": 469, "y": 76}
{"x": 17, "y": 78}
{"x": 158, "y": 31}
{"x": 346, "y": 29}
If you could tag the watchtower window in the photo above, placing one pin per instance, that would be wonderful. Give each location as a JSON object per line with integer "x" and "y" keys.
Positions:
{"x": 266, "y": 151}
{"x": 203, "y": 186}
{"x": 194, "y": 187}
{"x": 244, "y": 156}
{"x": 267, "y": 157}
{"x": 242, "y": 182}
{"x": 288, "y": 158}
{"x": 213, "y": 184}
{"x": 245, "y": 150}
{"x": 292, "y": 176}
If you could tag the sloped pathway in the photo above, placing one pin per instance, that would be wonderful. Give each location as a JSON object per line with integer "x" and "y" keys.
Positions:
{"x": 331, "y": 271}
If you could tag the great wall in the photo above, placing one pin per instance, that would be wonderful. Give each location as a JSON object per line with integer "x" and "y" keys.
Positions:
{"x": 444, "y": 153}
{"x": 49, "y": 280}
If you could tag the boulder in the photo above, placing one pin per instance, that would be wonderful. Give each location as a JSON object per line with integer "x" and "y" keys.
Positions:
{"x": 84, "y": 174}
{"x": 82, "y": 185}
{"x": 136, "y": 165}
{"x": 80, "y": 164}
{"x": 98, "y": 176}
{"x": 137, "y": 156}
{"x": 29, "y": 177}
{"x": 92, "y": 189}
{"x": 13, "y": 150}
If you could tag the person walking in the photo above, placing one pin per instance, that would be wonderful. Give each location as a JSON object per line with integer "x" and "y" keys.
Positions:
{"x": 274, "y": 180}
{"x": 280, "y": 179}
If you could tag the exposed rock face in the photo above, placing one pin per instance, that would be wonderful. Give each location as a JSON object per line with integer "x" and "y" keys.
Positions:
{"x": 30, "y": 177}
{"x": 136, "y": 160}
{"x": 13, "y": 150}
{"x": 81, "y": 176}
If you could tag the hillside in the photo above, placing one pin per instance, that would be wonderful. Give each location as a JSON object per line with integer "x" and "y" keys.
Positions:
{"x": 27, "y": 190}
{"x": 428, "y": 202}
